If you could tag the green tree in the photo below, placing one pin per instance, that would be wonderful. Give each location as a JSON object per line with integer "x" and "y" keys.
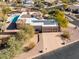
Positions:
{"x": 5, "y": 11}
{"x": 65, "y": 1}
{"x": 65, "y": 6}
{"x": 26, "y": 32}
{"x": 39, "y": 3}
{"x": 43, "y": 11}
{"x": 1, "y": 0}
{"x": 61, "y": 19}
{"x": 13, "y": 48}
{"x": 69, "y": 1}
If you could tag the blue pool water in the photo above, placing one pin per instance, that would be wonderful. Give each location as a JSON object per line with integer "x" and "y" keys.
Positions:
{"x": 15, "y": 19}
{"x": 13, "y": 23}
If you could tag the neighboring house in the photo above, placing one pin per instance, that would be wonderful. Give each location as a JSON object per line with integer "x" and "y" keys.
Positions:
{"x": 24, "y": 2}
{"x": 74, "y": 8}
{"x": 27, "y": 3}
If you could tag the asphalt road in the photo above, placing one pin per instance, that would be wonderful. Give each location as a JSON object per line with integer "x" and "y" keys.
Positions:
{"x": 68, "y": 52}
{"x": 75, "y": 21}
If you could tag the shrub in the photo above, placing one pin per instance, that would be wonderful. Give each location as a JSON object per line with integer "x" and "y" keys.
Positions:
{"x": 61, "y": 19}
{"x": 12, "y": 50}
{"x": 65, "y": 35}
{"x": 15, "y": 42}
{"x": 29, "y": 47}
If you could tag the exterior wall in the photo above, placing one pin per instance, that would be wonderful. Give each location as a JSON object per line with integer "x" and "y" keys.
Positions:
{"x": 38, "y": 28}
{"x": 46, "y": 29}
{"x": 50, "y": 29}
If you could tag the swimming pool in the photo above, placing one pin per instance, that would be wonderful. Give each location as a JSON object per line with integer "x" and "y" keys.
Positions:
{"x": 12, "y": 20}
{"x": 15, "y": 19}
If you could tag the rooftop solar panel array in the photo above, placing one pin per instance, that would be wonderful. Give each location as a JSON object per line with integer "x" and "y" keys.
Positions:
{"x": 46, "y": 22}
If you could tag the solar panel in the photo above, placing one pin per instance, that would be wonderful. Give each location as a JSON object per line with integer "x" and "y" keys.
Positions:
{"x": 49, "y": 22}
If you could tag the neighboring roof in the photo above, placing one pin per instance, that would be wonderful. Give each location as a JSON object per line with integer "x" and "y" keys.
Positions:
{"x": 68, "y": 52}
{"x": 75, "y": 6}
{"x": 27, "y": 1}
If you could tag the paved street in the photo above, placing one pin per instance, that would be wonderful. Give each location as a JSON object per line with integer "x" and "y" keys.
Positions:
{"x": 75, "y": 20}
{"x": 68, "y": 52}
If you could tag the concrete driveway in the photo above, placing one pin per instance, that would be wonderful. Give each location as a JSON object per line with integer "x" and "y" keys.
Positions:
{"x": 47, "y": 42}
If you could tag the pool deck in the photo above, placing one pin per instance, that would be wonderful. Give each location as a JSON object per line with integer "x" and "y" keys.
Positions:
{"x": 11, "y": 31}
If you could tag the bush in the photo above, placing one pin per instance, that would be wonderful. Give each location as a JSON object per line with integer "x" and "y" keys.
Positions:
{"x": 29, "y": 47}
{"x": 15, "y": 42}
{"x": 25, "y": 33}
{"x": 61, "y": 19}
{"x": 12, "y": 50}
{"x": 65, "y": 35}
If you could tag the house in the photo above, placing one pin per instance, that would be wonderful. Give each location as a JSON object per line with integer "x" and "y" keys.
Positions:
{"x": 40, "y": 25}
{"x": 74, "y": 8}
{"x": 27, "y": 3}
